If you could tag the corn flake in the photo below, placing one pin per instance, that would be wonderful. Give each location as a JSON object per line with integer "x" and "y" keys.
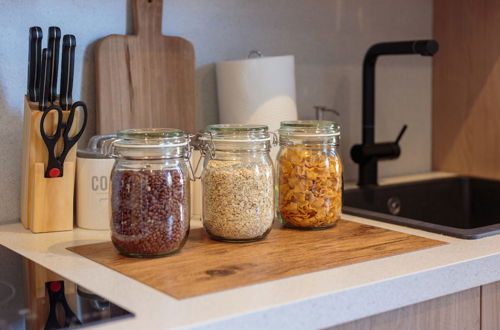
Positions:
{"x": 310, "y": 187}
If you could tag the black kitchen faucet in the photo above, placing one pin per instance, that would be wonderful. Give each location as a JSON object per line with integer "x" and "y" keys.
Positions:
{"x": 369, "y": 153}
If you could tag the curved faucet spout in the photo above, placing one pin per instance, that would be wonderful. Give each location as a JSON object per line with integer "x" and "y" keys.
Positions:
{"x": 368, "y": 168}
{"x": 421, "y": 47}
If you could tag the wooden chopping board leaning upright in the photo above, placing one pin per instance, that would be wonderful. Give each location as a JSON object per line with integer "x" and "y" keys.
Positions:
{"x": 145, "y": 80}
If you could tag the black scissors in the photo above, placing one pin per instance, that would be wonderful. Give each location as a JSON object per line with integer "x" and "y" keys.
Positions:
{"x": 55, "y": 164}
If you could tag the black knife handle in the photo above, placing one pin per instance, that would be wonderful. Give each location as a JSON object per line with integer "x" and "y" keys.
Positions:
{"x": 53, "y": 45}
{"x": 67, "y": 70}
{"x": 45, "y": 79}
{"x": 34, "y": 62}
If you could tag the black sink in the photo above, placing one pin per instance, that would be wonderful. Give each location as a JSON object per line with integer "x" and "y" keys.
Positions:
{"x": 461, "y": 206}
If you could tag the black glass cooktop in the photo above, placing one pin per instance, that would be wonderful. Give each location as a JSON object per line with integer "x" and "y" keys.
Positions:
{"x": 33, "y": 297}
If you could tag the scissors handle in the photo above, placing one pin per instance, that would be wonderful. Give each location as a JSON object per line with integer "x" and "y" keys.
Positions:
{"x": 71, "y": 117}
{"x": 69, "y": 141}
{"x": 54, "y": 168}
{"x": 55, "y": 164}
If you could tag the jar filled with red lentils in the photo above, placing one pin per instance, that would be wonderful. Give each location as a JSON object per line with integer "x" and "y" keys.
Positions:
{"x": 150, "y": 192}
{"x": 309, "y": 174}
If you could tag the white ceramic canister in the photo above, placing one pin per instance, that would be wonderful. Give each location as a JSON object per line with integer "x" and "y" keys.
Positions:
{"x": 93, "y": 170}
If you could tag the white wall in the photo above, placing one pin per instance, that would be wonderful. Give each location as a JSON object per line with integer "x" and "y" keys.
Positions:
{"x": 327, "y": 37}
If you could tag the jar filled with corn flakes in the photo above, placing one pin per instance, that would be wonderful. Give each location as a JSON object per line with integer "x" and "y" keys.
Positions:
{"x": 309, "y": 174}
{"x": 237, "y": 182}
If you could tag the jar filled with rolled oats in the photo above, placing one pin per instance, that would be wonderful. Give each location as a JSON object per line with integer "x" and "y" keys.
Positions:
{"x": 237, "y": 182}
{"x": 309, "y": 174}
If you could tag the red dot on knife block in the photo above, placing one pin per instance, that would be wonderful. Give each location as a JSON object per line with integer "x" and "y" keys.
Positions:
{"x": 54, "y": 172}
{"x": 55, "y": 286}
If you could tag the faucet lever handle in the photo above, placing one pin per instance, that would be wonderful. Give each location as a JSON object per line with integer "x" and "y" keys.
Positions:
{"x": 320, "y": 110}
{"x": 401, "y": 133}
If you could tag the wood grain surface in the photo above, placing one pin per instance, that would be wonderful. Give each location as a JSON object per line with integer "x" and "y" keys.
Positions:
{"x": 40, "y": 210}
{"x": 490, "y": 305}
{"x": 466, "y": 84}
{"x": 452, "y": 312}
{"x": 205, "y": 266}
{"x": 145, "y": 80}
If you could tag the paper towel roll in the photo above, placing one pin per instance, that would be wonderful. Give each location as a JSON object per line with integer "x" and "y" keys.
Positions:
{"x": 257, "y": 91}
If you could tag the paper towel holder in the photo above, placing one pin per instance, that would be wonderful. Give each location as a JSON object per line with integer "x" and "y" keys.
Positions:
{"x": 255, "y": 53}
{"x": 320, "y": 111}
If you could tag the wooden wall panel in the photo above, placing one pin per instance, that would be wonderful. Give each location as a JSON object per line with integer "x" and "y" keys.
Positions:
{"x": 466, "y": 87}
{"x": 458, "y": 311}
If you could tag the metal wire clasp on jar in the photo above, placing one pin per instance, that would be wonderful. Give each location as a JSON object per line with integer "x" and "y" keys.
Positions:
{"x": 150, "y": 191}
{"x": 309, "y": 174}
{"x": 237, "y": 182}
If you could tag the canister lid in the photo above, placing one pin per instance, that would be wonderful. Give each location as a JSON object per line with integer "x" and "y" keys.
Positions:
{"x": 96, "y": 148}
{"x": 309, "y": 128}
{"x": 85, "y": 153}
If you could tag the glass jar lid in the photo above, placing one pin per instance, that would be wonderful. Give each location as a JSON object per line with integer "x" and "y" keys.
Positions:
{"x": 151, "y": 137}
{"x": 309, "y": 128}
{"x": 309, "y": 132}
{"x": 236, "y": 133}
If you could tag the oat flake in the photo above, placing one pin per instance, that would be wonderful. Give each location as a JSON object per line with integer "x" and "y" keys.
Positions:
{"x": 238, "y": 199}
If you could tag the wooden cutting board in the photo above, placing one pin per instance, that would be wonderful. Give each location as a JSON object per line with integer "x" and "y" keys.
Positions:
{"x": 206, "y": 266}
{"x": 145, "y": 80}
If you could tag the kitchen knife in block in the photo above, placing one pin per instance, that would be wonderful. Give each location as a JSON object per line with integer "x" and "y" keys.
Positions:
{"x": 46, "y": 203}
{"x": 145, "y": 80}
{"x": 67, "y": 70}
{"x": 53, "y": 45}
{"x": 45, "y": 79}
{"x": 34, "y": 62}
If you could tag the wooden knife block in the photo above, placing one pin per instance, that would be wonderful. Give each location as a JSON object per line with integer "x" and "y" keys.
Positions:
{"x": 46, "y": 203}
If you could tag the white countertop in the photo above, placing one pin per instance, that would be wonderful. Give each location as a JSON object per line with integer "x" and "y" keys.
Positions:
{"x": 315, "y": 300}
